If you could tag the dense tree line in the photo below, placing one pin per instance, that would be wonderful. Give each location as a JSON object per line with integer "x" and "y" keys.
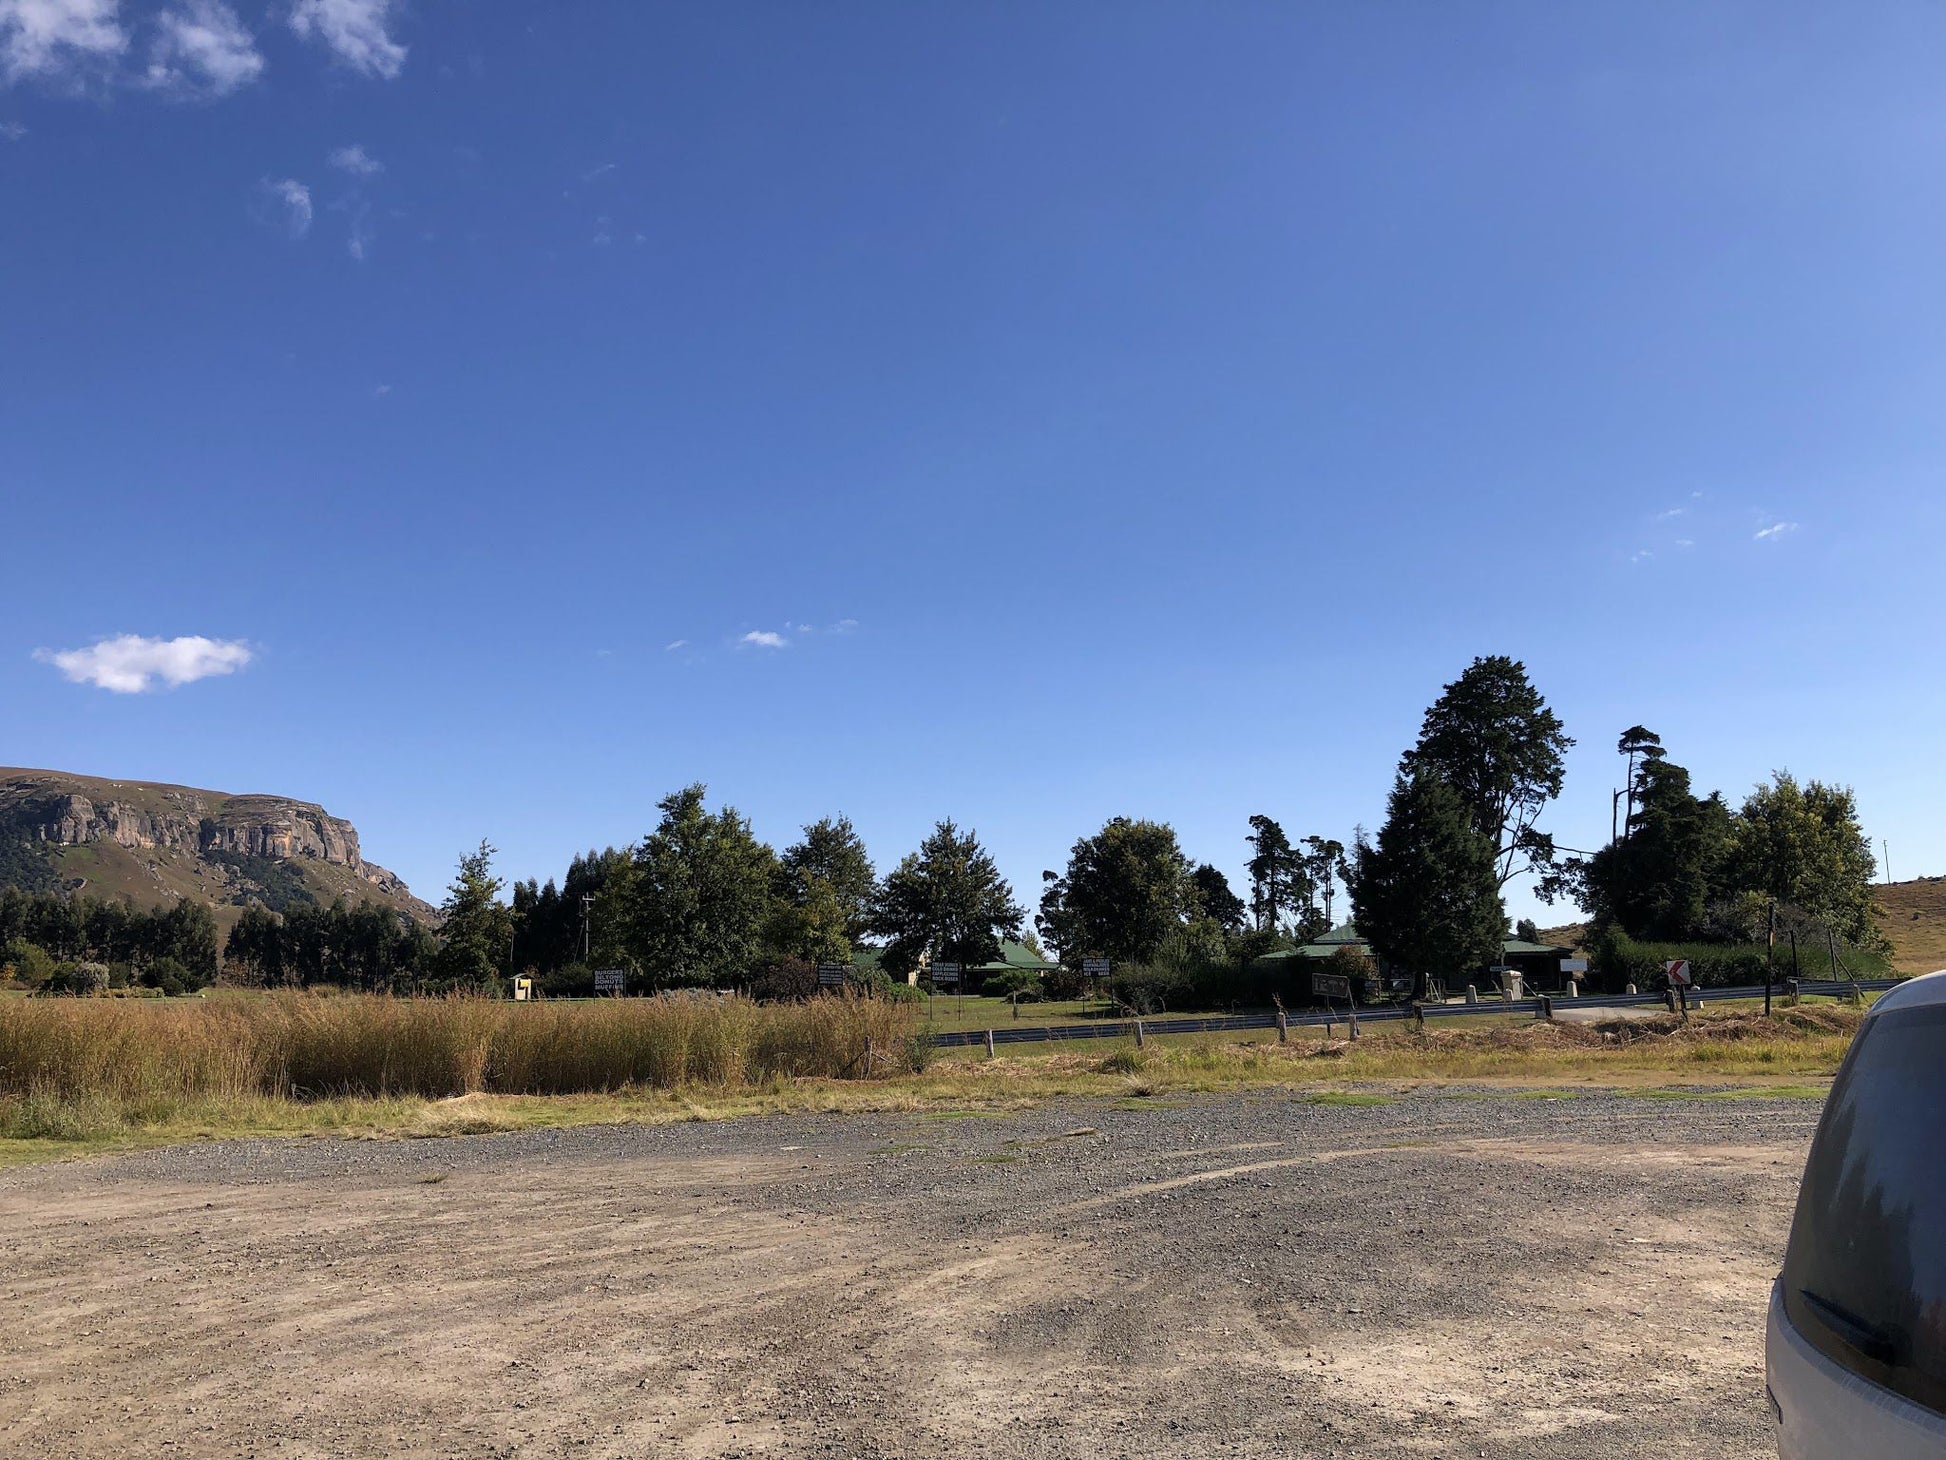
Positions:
{"x": 701, "y": 901}
{"x": 44, "y": 934}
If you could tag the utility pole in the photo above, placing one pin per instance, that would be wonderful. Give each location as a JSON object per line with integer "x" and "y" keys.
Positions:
{"x": 587, "y": 916}
{"x": 1770, "y": 957}
{"x": 1885, "y": 858}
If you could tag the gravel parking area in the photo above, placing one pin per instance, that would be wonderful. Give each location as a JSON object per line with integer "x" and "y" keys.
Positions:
{"x": 1440, "y": 1276}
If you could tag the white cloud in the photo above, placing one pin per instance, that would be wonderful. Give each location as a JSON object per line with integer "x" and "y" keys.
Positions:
{"x": 1685, "y": 542}
{"x": 354, "y": 30}
{"x": 597, "y": 170}
{"x": 202, "y": 49}
{"x": 132, "y": 664}
{"x": 1640, "y": 555}
{"x": 1671, "y": 514}
{"x": 295, "y": 199}
{"x": 362, "y": 233}
{"x": 356, "y": 161}
{"x": 13, "y": 131}
{"x": 1775, "y": 530}
{"x": 47, "y": 37}
{"x": 844, "y": 626}
{"x": 675, "y": 644}
{"x": 764, "y": 639}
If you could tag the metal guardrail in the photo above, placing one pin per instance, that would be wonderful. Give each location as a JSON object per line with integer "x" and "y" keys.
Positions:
{"x": 1380, "y": 1014}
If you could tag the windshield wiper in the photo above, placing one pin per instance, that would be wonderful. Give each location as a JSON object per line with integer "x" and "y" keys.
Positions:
{"x": 1878, "y": 1344}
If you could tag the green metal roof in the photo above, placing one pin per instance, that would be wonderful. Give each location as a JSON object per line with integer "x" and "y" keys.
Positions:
{"x": 1015, "y": 955}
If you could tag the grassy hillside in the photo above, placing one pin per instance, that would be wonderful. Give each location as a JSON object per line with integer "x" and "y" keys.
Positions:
{"x": 178, "y": 866}
{"x": 1915, "y": 921}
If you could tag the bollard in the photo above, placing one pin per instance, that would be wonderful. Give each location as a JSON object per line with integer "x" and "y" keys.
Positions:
{"x": 1354, "y": 1021}
{"x": 1628, "y": 988}
{"x": 1574, "y": 988}
{"x": 868, "y": 1059}
{"x": 989, "y": 1044}
{"x": 1283, "y": 1027}
{"x": 1790, "y": 992}
{"x": 1419, "y": 1017}
{"x": 1669, "y": 998}
{"x": 1472, "y": 994}
{"x": 1543, "y": 1007}
{"x": 1138, "y": 1034}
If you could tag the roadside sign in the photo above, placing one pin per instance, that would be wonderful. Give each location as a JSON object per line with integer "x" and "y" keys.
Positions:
{"x": 1574, "y": 965}
{"x": 1331, "y": 986}
{"x": 610, "y": 980}
{"x": 1094, "y": 967}
{"x": 1501, "y": 968}
{"x": 1678, "y": 971}
{"x": 945, "y": 973}
{"x": 523, "y": 988}
{"x": 833, "y": 975}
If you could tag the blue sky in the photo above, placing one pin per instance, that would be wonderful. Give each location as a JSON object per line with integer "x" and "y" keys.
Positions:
{"x": 1091, "y": 408}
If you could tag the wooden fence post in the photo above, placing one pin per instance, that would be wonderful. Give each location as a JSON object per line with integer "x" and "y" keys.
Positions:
{"x": 1283, "y": 1027}
{"x": 989, "y": 1044}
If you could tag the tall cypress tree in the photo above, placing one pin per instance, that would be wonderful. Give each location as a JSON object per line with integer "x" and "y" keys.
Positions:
{"x": 1426, "y": 895}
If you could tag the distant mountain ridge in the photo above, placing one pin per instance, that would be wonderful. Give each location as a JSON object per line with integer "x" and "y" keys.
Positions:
{"x": 156, "y": 843}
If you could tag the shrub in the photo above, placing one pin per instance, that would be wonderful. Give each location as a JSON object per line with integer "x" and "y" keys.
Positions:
{"x": 80, "y": 979}
{"x": 785, "y": 979}
{"x": 26, "y": 964}
{"x": 1022, "y": 985}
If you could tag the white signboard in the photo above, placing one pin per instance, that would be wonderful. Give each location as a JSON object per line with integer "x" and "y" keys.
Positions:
{"x": 1574, "y": 965}
{"x": 1095, "y": 967}
{"x": 610, "y": 980}
{"x": 1678, "y": 971}
{"x": 945, "y": 973}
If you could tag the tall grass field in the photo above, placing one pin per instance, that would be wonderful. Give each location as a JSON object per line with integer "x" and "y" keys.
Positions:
{"x": 147, "y": 1058}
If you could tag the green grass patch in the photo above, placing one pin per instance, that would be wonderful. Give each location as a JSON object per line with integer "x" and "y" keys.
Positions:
{"x": 1347, "y": 1097}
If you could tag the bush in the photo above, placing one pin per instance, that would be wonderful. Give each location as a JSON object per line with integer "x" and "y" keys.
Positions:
{"x": 26, "y": 964}
{"x": 1063, "y": 983}
{"x": 83, "y": 980}
{"x": 1022, "y": 985}
{"x": 172, "y": 976}
{"x": 787, "y": 979}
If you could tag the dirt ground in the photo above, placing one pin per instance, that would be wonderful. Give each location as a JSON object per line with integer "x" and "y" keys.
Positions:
{"x": 1442, "y": 1276}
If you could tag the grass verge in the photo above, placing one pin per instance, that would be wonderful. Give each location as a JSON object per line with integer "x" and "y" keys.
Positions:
{"x": 1715, "y": 1056}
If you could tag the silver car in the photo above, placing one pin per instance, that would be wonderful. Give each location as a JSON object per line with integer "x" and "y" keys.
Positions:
{"x": 1856, "y": 1348}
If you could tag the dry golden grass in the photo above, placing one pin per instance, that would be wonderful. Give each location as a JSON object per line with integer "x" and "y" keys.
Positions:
{"x": 80, "y": 1076}
{"x": 1915, "y": 921}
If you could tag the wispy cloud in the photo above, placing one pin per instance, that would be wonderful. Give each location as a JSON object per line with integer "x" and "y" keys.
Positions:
{"x": 356, "y": 161}
{"x": 379, "y": 392}
{"x": 362, "y": 233}
{"x": 291, "y": 201}
{"x": 1670, "y": 514}
{"x": 675, "y": 644}
{"x": 131, "y": 664}
{"x": 764, "y": 639}
{"x": 12, "y": 131}
{"x": 1775, "y": 530}
{"x": 49, "y": 39}
{"x": 597, "y": 170}
{"x": 1641, "y": 555}
{"x": 202, "y": 50}
{"x": 356, "y": 32}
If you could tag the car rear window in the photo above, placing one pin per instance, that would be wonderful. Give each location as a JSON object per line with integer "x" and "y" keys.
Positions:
{"x": 1865, "y": 1276}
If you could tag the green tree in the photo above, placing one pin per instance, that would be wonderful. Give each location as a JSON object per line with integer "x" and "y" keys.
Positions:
{"x": 809, "y": 925}
{"x": 947, "y": 898}
{"x": 1657, "y": 882}
{"x": 1217, "y": 900}
{"x": 1279, "y": 882}
{"x": 1324, "y": 868}
{"x": 833, "y": 854}
{"x": 1127, "y": 888}
{"x": 1491, "y": 737}
{"x": 702, "y": 895}
{"x": 1425, "y": 895}
{"x": 474, "y": 931}
{"x": 255, "y": 946}
{"x": 1804, "y": 845}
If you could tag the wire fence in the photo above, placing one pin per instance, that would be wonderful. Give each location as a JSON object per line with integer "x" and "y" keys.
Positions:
{"x": 1538, "y": 1008}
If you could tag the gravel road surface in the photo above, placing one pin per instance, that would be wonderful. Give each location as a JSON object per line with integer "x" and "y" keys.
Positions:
{"x": 1442, "y": 1276}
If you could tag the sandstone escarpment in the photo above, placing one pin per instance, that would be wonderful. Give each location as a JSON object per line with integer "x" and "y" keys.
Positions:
{"x": 205, "y": 829}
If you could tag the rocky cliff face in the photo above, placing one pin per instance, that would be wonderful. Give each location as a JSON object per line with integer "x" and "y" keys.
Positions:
{"x": 70, "y": 811}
